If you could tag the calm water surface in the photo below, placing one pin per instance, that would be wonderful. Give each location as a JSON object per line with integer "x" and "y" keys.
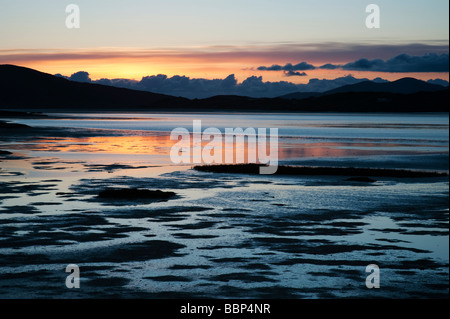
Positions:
{"x": 224, "y": 236}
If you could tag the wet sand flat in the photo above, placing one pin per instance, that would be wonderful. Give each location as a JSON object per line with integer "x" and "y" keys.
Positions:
{"x": 222, "y": 235}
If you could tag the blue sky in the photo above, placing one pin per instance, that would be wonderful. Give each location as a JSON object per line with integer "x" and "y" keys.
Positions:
{"x": 169, "y": 23}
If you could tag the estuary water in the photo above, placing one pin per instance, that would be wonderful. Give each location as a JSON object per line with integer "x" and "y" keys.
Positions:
{"x": 223, "y": 235}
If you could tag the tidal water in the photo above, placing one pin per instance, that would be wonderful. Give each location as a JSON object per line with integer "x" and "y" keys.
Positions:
{"x": 223, "y": 235}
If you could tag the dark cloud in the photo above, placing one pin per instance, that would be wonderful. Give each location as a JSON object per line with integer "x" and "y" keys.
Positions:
{"x": 253, "y": 86}
{"x": 303, "y": 66}
{"x": 329, "y": 66}
{"x": 80, "y": 76}
{"x": 274, "y": 67}
{"x": 294, "y": 73}
{"x": 187, "y": 87}
{"x": 59, "y": 75}
{"x": 403, "y": 63}
{"x": 431, "y": 62}
{"x": 322, "y": 85}
{"x": 122, "y": 83}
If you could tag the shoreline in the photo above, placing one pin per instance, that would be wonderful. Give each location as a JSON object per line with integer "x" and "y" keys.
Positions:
{"x": 27, "y": 112}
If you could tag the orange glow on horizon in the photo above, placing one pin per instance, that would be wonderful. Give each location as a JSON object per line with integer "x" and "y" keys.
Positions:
{"x": 206, "y": 63}
{"x": 135, "y": 71}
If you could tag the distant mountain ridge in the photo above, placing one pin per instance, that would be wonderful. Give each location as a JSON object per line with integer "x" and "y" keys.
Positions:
{"x": 401, "y": 86}
{"x": 24, "y": 88}
{"x": 300, "y": 95}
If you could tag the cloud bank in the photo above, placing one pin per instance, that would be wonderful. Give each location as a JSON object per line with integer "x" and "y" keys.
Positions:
{"x": 294, "y": 73}
{"x": 253, "y": 86}
{"x": 403, "y": 63}
{"x": 303, "y": 66}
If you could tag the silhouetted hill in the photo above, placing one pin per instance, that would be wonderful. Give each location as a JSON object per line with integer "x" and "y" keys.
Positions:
{"x": 340, "y": 102}
{"x": 27, "y": 88}
{"x": 300, "y": 95}
{"x": 23, "y": 88}
{"x": 379, "y": 102}
{"x": 403, "y": 86}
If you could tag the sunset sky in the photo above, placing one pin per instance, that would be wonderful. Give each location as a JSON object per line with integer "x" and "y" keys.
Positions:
{"x": 213, "y": 39}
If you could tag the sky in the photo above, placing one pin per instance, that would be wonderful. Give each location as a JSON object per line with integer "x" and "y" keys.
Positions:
{"x": 292, "y": 41}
